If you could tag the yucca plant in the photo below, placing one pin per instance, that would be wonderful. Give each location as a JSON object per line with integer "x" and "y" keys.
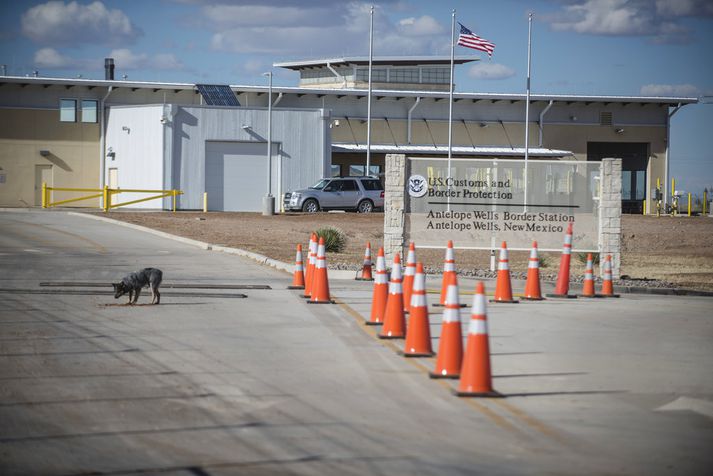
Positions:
{"x": 582, "y": 258}
{"x": 545, "y": 261}
{"x": 334, "y": 239}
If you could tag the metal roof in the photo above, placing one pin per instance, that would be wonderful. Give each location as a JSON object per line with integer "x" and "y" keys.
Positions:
{"x": 381, "y": 60}
{"x": 397, "y": 94}
{"x": 460, "y": 150}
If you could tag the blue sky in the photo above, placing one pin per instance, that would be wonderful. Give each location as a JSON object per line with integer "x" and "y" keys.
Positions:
{"x": 602, "y": 47}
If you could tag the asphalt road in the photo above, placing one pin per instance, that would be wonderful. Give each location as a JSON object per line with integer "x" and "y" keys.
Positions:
{"x": 217, "y": 384}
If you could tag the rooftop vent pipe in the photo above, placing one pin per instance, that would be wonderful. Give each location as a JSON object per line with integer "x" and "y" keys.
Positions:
{"x": 109, "y": 69}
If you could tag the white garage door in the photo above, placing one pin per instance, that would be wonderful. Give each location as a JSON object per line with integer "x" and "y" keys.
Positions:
{"x": 236, "y": 175}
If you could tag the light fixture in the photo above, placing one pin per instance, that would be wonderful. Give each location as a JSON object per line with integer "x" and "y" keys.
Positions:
{"x": 110, "y": 153}
{"x": 619, "y": 130}
{"x": 573, "y": 118}
{"x": 44, "y": 153}
{"x": 245, "y": 127}
{"x": 483, "y": 124}
{"x": 126, "y": 128}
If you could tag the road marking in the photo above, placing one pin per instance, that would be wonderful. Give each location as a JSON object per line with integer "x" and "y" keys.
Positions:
{"x": 493, "y": 416}
{"x": 98, "y": 247}
{"x": 703, "y": 407}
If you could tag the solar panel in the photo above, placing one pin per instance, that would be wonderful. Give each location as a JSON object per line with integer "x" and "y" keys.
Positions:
{"x": 218, "y": 95}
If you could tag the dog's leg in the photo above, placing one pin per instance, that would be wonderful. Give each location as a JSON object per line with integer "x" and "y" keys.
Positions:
{"x": 158, "y": 297}
{"x": 131, "y": 294}
{"x": 136, "y": 294}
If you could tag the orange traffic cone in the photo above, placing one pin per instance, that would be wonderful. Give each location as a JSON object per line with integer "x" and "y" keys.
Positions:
{"x": 409, "y": 274}
{"x": 532, "y": 285}
{"x": 588, "y": 285}
{"x": 311, "y": 261}
{"x": 320, "y": 280}
{"x": 562, "y": 286}
{"x": 450, "y": 345}
{"x": 449, "y": 275}
{"x": 503, "y": 288}
{"x": 475, "y": 377}
{"x": 394, "y": 321}
{"x": 418, "y": 331}
{"x": 298, "y": 279}
{"x": 366, "y": 267}
{"x": 381, "y": 291}
{"x": 607, "y": 286}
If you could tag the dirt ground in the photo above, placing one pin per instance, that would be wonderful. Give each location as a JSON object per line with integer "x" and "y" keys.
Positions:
{"x": 677, "y": 250}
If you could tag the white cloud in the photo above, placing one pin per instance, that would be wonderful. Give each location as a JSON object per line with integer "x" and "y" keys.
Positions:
{"x": 57, "y": 23}
{"x": 483, "y": 70}
{"x": 49, "y": 58}
{"x": 232, "y": 16}
{"x": 333, "y": 28}
{"x": 125, "y": 59}
{"x": 678, "y": 90}
{"x": 658, "y": 19}
{"x": 684, "y": 7}
{"x": 423, "y": 26}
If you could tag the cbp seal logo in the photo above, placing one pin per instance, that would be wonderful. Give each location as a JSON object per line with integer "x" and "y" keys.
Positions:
{"x": 417, "y": 186}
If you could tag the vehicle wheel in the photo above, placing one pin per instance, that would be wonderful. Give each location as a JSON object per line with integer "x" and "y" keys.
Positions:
{"x": 365, "y": 206}
{"x": 310, "y": 206}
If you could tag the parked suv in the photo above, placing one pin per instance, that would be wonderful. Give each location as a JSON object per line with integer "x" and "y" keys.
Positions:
{"x": 363, "y": 194}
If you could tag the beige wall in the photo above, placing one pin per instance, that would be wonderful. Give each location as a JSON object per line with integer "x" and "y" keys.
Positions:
{"x": 74, "y": 154}
{"x": 571, "y": 137}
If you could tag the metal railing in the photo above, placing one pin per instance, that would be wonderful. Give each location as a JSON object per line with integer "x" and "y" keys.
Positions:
{"x": 106, "y": 194}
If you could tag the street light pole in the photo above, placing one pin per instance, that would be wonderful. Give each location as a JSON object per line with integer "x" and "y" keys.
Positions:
{"x": 268, "y": 202}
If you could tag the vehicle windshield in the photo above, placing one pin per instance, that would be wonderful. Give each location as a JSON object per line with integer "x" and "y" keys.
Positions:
{"x": 320, "y": 185}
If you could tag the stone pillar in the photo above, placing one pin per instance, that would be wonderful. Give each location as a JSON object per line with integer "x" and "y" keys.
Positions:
{"x": 394, "y": 202}
{"x": 610, "y": 214}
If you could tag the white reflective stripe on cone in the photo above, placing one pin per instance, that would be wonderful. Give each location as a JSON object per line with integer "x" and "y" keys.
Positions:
{"x": 395, "y": 287}
{"x": 418, "y": 300}
{"x": 479, "y": 304}
{"x": 478, "y": 327}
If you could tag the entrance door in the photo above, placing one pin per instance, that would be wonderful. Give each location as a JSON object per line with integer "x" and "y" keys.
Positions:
{"x": 43, "y": 174}
{"x": 635, "y": 159}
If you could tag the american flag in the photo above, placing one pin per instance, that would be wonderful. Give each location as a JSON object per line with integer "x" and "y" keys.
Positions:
{"x": 468, "y": 39}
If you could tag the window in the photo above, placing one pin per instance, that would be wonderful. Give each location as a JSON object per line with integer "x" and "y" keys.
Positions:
{"x": 89, "y": 110}
{"x": 336, "y": 170}
{"x": 372, "y": 184}
{"x": 358, "y": 170}
{"x": 404, "y": 75}
{"x": 378, "y": 75}
{"x": 349, "y": 186}
{"x": 435, "y": 75}
{"x": 68, "y": 110}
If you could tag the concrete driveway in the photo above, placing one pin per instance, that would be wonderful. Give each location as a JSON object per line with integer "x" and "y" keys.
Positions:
{"x": 212, "y": 383}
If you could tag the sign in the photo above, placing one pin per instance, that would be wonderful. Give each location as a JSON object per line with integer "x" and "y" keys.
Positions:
{"x": 483, "y": 202}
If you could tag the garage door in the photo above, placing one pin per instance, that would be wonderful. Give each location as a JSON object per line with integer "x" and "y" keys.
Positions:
{"x": 236, "y": 175}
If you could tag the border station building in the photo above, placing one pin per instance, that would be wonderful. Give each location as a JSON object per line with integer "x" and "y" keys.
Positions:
{"x": 83, "y": 133}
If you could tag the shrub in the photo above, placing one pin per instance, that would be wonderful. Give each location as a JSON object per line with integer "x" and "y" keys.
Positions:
{"x": 334, "y": 239}
{"x": 545, "y": 261}
{"x": 582, "y": 258}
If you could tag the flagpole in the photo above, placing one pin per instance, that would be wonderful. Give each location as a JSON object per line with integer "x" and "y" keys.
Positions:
{"x": 527, "y": 103}
{"x": 450, "y": 99}
{"x": 368, "y": 107}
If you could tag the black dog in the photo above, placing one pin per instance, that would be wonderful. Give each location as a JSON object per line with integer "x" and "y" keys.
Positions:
{"x": 133, "y": 283}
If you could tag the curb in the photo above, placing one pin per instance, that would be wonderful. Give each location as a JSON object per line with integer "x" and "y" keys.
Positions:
{"x": 338, "y": 274}
{"x": 260, "y": 259}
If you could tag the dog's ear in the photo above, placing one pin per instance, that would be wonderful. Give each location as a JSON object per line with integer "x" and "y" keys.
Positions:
{"x": 116, "y": 285}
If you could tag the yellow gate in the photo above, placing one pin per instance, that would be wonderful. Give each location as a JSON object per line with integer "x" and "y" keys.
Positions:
{"x": 106, "y": 193}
